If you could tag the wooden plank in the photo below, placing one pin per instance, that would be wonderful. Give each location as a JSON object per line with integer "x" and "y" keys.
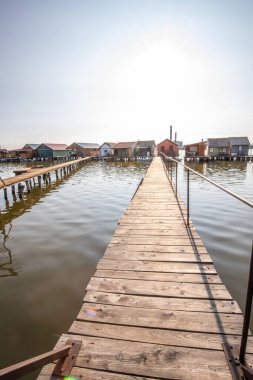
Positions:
{"x": 157, "y": 336}
{"x": 165, "y": 319}
{"x": 156, "y": 266}
{"x": 157, "y": 256}
{"x": 154, "y": 276}
{"x": 156, "y": 248}
{"x": 143, "y": 359}
{"x": 156, "y": 240}
{"x": 90, "y": 374}
{"x": 159, "y": 288}
{"x": 152, "y": 232}
{"x": 156, "y": 302}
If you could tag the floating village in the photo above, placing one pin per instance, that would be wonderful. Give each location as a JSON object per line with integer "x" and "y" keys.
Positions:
{"x": 226, "y": 148}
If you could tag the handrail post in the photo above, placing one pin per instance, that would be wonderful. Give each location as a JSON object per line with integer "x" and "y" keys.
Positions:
{"x": 171, "y": 164}
{"x": 247, "y": 312}
{"x": 176, "y": 179}
{"x": 188, "y": 197}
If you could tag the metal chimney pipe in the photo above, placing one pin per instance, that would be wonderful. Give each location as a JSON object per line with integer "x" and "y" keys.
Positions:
{"x": 175, "y": 136}
{"x": 171, "y": 133}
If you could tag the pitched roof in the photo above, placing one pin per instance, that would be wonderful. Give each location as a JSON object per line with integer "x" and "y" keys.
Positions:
{"x": 197, "y": 143}
{"x": 124, "y": 145}
{"x": 145, "y": 144}
{"x": 87, "y": 145}
{"x": 219, "y": 143}
{"x": 55, "y": 146}
{"x": 169, "y": 141}
{"x": 32, "y": 146}
{"x": 239, "y": 141}
{"x": 227, "y": 142}
{"x": 111, "y": 145}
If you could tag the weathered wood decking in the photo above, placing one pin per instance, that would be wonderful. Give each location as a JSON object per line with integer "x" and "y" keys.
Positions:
{"x": 155, "y": 307}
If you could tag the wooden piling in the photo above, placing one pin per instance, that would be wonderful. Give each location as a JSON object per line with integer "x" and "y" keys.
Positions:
{"x": 5, "y": 194}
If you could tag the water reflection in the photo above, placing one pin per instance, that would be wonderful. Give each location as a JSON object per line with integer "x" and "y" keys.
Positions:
{"x": 15, "y": 210}
{"x": 6, "y": 264}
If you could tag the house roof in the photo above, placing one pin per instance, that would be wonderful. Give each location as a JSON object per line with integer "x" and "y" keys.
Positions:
{"x": 32, "y": 146}
{"x": 197, "y": 143}
{"x": 239, "y": 141}
{"x": 219, "y": 143}
{"x": 87, "y": 145}
{"x": 111, "y": 145}
{"x": 146, "y": 144}
{"x": 55, "y": 146}
{"x": 124, "y": 145}
{"x": 227, "y": 142}
{"x": 3, "y": 150}
{"x": 169, "y": 141}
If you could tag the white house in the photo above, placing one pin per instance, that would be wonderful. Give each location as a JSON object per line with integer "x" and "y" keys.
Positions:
{"x": 106, "y": 149}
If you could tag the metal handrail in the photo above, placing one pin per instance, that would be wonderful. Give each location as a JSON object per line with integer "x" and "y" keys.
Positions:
{"x": 239, "y": 367}
{"x": 212, "y": 182}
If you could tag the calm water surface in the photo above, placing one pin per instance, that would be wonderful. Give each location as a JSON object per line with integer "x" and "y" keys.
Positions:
{"x": 50, "y": 245}
{"x": 52, "y": 241}
{"x": 224, "y": 223}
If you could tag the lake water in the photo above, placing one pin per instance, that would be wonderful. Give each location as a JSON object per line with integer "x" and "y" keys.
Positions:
{"x": 52, "y": 240}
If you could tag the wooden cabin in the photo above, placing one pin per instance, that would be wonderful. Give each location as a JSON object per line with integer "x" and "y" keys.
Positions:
{"x": 219, "y": 147}
{"x": 3, "y": 153}
{"x": 85, "y": 149}
{"x": 106, "y": 149}
{"x": 199, "y": 149}
{"x": 53, "y": 151}
{"x": 239, "y": 146}
{"x": 168, "y": 147}
{"x": 124, "y": 149}
{"x": 228, "y": 147}
{"x": 144, "y": 148}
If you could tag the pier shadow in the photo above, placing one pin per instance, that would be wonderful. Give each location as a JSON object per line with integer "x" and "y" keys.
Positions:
{"x": 204, "y": 275}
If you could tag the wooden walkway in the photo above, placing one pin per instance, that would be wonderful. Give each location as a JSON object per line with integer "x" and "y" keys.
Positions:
{"x": 31, "y": 173}
{"x": 155, "y": 307}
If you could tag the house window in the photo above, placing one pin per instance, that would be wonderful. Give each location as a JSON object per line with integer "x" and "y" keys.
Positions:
{"x": 224, "y": 150}
{"x": 240, "y": 148}
{"x": 211, "y": 150}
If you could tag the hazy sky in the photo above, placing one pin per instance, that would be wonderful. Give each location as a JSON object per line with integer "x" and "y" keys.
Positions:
{"x": 115, "y": 70}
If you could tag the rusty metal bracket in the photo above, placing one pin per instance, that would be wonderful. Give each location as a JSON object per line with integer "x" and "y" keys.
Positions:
{"x": 238, "y": 370}
{"x": 65, "y": 364}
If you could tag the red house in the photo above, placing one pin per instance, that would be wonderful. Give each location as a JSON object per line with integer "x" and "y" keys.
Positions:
{"x": 168, "y": 147}
{"x": 198, "y": 149}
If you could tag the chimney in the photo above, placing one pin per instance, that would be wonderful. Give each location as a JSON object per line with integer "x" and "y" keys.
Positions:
{"x": 171, "y": 133}
{"x": 175, "y": 136}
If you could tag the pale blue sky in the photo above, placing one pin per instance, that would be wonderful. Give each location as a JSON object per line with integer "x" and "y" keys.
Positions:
{"x": 95, "y": 71}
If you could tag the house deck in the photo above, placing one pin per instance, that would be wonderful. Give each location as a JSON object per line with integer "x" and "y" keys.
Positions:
{"x": 155, "y": 307}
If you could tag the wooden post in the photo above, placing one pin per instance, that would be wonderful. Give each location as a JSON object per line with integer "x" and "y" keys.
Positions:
{"x": 56, "y": 174}
{"x": 20, "y": 190}
{"x": 39, "y": 180}
{"x": 30, "y": 183}
{"x": 49, "y": 177}
{"x": 5, "y": 194}
{"x": 13, "y": 190}
{"x": 34, "y": 183}
{"x": 27, "y": 186}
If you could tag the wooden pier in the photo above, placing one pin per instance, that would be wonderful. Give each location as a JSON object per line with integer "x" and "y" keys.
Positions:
{"x": 42, "y": 174}
{"x": 155, "y": 307}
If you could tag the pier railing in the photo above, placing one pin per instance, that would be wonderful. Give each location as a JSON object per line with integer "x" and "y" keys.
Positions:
{"x": 235, "y": 354}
